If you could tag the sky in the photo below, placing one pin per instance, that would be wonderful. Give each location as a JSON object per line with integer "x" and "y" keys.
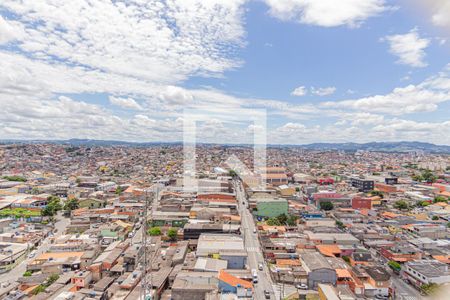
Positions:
{"x": 299, "y": 71}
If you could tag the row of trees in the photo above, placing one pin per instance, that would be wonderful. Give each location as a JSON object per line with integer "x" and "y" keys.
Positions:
{"x": 426, "y": 176}
{"x": 15, "y": 178}
{"x": 172, "y": 233}
{"x": 403, "y": 204}
{"x": 282, "y": 219}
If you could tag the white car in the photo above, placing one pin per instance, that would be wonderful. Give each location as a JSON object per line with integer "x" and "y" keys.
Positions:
{"x": 301, "y": 286}
{"x": 32, "y": 254}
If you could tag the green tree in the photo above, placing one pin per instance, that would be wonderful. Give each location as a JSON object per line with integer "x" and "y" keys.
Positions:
{"x": 172, "y": 234}
{"x": 71, "y": 204}
{"x": 422, "y": 203}
{"x": 439, "y": 199}
{"x": 282, "y": 219}
{"x": 27, "y": 274}
{"x": 51, "y": 279}
{"x": 119, "y": 190}
{"x": 376, "y": 193}
{"x": 15, "y": 178}
{"x": 435, "y": 218}
{"x": 273, "y": 222}
{"x": 232, "y": 173}
{"x": 428, "y": 176}
{"x": 429, "y": 288}
{"x": 53, "y": 206}
{"x": 401, "y": 204}
{"x": 326, "y": 205}
{"x": 292, "y": 220}
{"x": 297, "y": 189}
{"x": 339, "y": 224}
{"x": 154, "y": 231}
{"x": 417, "y": 178}
{"x": 394, "y": 265}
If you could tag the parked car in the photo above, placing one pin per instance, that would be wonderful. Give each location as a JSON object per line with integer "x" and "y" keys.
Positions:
{"x": 260, "y": 266}
{"x": 301, "y": 286}
{"x": 266, "y": 294}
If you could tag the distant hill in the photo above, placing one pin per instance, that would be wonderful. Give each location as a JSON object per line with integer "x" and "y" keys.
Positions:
{"x": 381, "y": 147}
{"x": 372, "y": 146}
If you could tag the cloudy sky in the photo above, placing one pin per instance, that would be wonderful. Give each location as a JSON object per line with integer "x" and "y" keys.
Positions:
{"x": 321, "y": 70}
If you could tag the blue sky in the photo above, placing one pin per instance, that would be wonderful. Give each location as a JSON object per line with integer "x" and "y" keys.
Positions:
{"x": 322, "y": 71}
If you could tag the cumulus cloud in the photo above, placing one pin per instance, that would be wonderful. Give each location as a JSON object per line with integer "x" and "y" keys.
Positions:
{"x": 326, "y": 13}
{"x": 325, "y": 91}
{"x": 424, "y": 97}
{"x": 127, "y": 103}
{"x": 409, "y": 48}
{"x": 299, "y": 91}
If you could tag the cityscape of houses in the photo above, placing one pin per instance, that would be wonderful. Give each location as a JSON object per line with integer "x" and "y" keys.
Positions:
{"x": 110, "y": 222}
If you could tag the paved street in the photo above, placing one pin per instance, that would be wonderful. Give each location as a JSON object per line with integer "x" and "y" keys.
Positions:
{"x": 403, "y": 290}
{"x": 253, "y": 247}
{"x": 12, "y": 276}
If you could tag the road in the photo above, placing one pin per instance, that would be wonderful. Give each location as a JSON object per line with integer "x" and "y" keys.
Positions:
{"x": 252, "y": 245}
{"x": 403, "y": 290}
{"x": 12, "y": 276}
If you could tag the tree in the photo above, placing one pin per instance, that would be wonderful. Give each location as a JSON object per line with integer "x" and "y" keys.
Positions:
{"x": 428, "y": 176}
{"x": 297, "y": 189}
{"x": 51, "y": 279}
{"x": 394, "y": 265}
{"x": 435, "y": 218}
{"x": 172, "y": 234}
{"x": 340, "y": 225}
{"x": 118, "y": 190}
{"x": 53, "y": 206}
{"x": 376, "y": 193}
{"x": 439, "y": 199}
{"x": 429, "y": 288}
{"x": 27, "y": 274}
{"x": 273, "y": 222}
{"x": 292, "y": 220}
{"x": 154, "y": 231}
{"x": 232, "y": 173}
{"x": 401, "y": 204}
{"x": 71, "y": 204}
{"x": 422, "y": 203}
{"x": 282, "y": 219}
{"x": 15, "y": 178}
{"x": 326, "y": 205}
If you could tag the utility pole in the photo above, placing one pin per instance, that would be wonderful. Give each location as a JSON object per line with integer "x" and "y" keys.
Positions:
{"x": 145, "y": 270}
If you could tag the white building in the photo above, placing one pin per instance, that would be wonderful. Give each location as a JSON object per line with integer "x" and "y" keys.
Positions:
{"x": 421, "y": 272}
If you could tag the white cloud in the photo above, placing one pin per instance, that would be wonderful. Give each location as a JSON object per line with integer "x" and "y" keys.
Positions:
{"x": 326, "y": 91}
{"x": 327, "y": 13}
{"x": 423, "y": 97}
{"x": 173, "y": 95}
{"x": 441, "y": 12}
{"x": 409, "y": 48}
{"x": 9, "y": 31}
{"x": 163, "y": 42}
{"x": 127, "y": 103}
{"x": 299, "y": 91}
